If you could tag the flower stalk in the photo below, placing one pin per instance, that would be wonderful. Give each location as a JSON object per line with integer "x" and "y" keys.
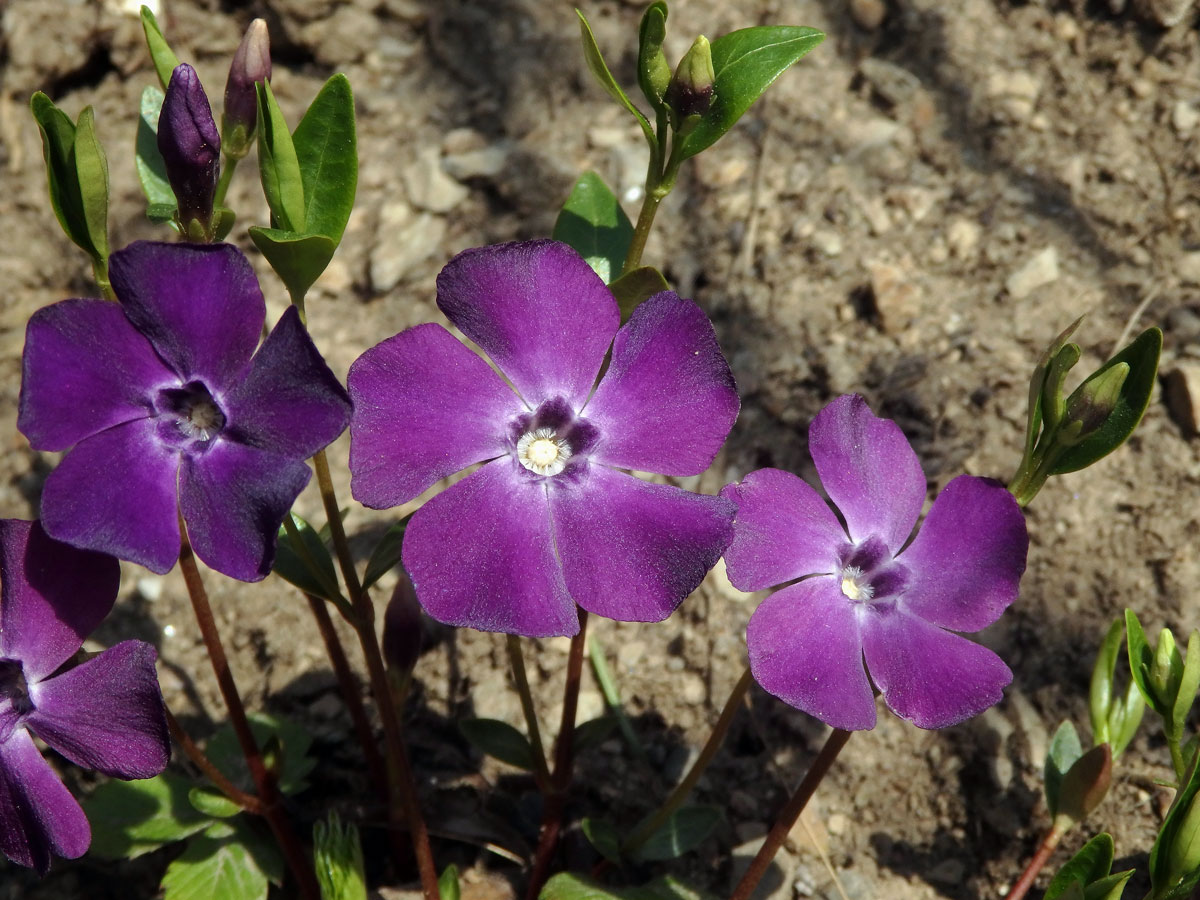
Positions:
{"x": 1046, "y": 847}
{"x": 248, "y": 802}
{"x": 516, "y": 658}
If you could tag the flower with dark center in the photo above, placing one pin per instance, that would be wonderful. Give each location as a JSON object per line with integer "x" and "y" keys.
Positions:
{"x": 105, "y": 713}
{"x": 168, "y": 410}
{"x": 862, "y": 591}
{"x": 550, "y": 520}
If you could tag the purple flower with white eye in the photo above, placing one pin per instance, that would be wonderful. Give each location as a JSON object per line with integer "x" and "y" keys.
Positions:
{"x": 169, "y": 411}
{"x": 866, "y": 595}
{"x": 105, "y": 714}
{"x": 549, "y": 521}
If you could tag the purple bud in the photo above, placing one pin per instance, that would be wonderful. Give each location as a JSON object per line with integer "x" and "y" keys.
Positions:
{"x": 190, "y": 146}
{"x": 251, "y": 64}
{"x": 402, "y": 627}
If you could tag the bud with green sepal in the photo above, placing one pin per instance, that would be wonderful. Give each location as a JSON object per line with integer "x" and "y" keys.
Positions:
{"x": 1175, "y": 856}
{"x": 1167, "y": 679}
{"x": 690, "y": 93}
{"x": 251, "y": 64}
{"x": 1115, "y": 718}
{"x": 654, "y": 72}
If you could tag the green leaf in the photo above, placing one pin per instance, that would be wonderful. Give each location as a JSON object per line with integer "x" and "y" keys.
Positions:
{"x": 338, "y": 859}
{"x": 1086, "y": 784}
{"x": 639, "y": 285}
{"x": 595, "y": 63}
{"x": 1110, "y": 887}
{"x": 92, "y": 169}
{"x": 1065, "y": 749}
{"x": 448, "y": 887}
{"x": 327, "y": 154}
{"x": 151, "y": 170}
{"x": 161, "y": 54}
{"x": 1141, "y": 662}
{"x": 1176, "y": 851}
{"x": 604, "y": 836}
{"x": 1091, "y": 863}
{"x": 58, "y": 149}
{"x": 498, "y": 739}
{"x": 162, "y": 213}
{"x": 594, "y": 224}
{"x": 654, "y": 73}
{"x": 1126, "y": 717}
{"x": 130, "y": 818}
{"x": 593, "y": 732}
{"x": 612, "y": 697}
{"x": 1142, "y": 358}
{"x": 279, "y": 167}
{"x": 307, "y": 564}
{"x": 1188, "y": 683}
{"x": 746, "y": 62}
{"x": 213, "y": 869}
{"x": 386, "y": 555}
{"x": 685, "y": 830}
{"x": 225, "y": 752}
{"x": 224, "y": 219}
{"x": 298, "y": 259}
{"x": 569, "y": 886}
{"x": 1100, "y": 694}
{"x": 212, "y": 803}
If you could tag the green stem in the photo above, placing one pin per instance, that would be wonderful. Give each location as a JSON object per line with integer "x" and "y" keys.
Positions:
{"x": 100, "y": 273}
{"x": 641, "y": 231}
{"x": 1177, "y": 760}
{"x": 229, "y": 164}
{"x": 791, "y": 812}
{"x": 516, "y": 658}
{"x": 684, "y": 789}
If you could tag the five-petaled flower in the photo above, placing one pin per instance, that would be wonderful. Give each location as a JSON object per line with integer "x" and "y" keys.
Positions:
{"x": 169, "y": 411}
{"x": 548, "y": 521}
{"x": 105, "y": 713}
{"x": 869, "y": 595}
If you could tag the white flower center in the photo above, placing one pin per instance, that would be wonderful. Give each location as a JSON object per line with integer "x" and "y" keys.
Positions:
{"x": 543, "y": 452}
{"x": 853, "y": 586}
{"x": 202, "y": 420}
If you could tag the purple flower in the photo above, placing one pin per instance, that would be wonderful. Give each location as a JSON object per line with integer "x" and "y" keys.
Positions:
{"x": 548, "y": 521}
{"x": 190, "y": 146}
{"x": 104, "y": 714}
{"x": 168, "y": 414}
{"x": 864, "y": 593}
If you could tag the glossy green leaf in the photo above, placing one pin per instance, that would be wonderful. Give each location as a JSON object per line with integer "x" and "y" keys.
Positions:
{"x": 498, "y": 739}
{"x": 298, "y": 259}
{"x": 1065, "y": 749}
{"x": 1093, "y": 862}
{"x": 639, "y": 285}
{"x": 1111, "y": 887}
{"x": 1141, "y": 662}
{"x": 593, "y": 732}
{"x": 307, "y": 564}
{"x": 594, "y": 224}
{"x": 161, "y": 54}
{"x": 746, "y": 62}
{"x": 338, "y": 859}
{"x": 386, "y": 555}
{"x": 151, "y": 170}
{"x": 569, "y": 886}
{"x": 1037, "y": 383}
{"x": 226, "y": 753}
{"x": 604, "y": 836}
{"x": 215, "y": 869}
{"x": 448, "y": 886}
{"x": 1125, "y": 718}
{"x": 1175, "y": 856}
{"x": 684, "y": 831}
{"x": 1142, "y": 358}
{"x": 212, "y": 802}
{"x": 62, "y": 178}
{"x": 1100, "y": 694}
{"x": 92, "y": 168}
{"x": 1188, "y": 683}
{"x": 654, "y": 72}
{"x": 1085, "y": 784}
{"x": 129, "y": 818}
{"x": 326, "y": 151}
{"x": 599, "y": 68}
{"x": 279, "y": 166}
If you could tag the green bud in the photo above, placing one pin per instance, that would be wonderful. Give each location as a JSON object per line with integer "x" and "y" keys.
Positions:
{"x": 1053, "y": 405}
{"x": 654, "y": 72}
{"x": 338, "y": 857}
{"x": 1167, "y": 668}
{"x": 1095, "y": 399}
{"x": 690, "y": 92}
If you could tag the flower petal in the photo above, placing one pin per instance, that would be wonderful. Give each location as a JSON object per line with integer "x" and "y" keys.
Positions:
{"x": 668, "y": 400}
{"x": 931, "y": 677}
{"x": 805, "y": 648}
{"x": 783, "y": 530}
{"x": 425, "y": 407}
{"x": 289, "y": 403}
{"x": 85, "y": 369}
{"x": 631, "y": 550}
{"x": 38, "y": 815}
{"x": 52, "y": 596}
{"x": 967, "y": 559}
{"x": 538, "y": 310}
{"x": 106, "y": 713}
{"x": 480, "y": 555}
{"x": 115, "y": 492}
{"x": 199, "y": 304}
{"x": 868, "y": 469}
{"x": 233, "y": 499}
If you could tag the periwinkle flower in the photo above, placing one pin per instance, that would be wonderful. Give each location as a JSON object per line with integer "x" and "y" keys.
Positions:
{"x": 191, "y": 149}
{"x": 105, "y": 714}
{"x": 169, "y": 411}
{"x": 866, "y": 593}
{"x": 549, "y": 521}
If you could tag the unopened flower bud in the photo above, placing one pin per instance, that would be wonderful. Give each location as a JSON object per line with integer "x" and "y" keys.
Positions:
{"x": 191, "y": 149}
{"x": 690, "y": 92}
{"x": 402, "y": 627}
{"x": 251, "y": 64}
{"x": 1167, "y": 670}
{"x": 1095, "y": 399}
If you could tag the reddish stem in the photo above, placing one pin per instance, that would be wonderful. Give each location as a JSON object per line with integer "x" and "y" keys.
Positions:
{"x": 248, "y": 802}
{"x": 1045, "y": 848}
